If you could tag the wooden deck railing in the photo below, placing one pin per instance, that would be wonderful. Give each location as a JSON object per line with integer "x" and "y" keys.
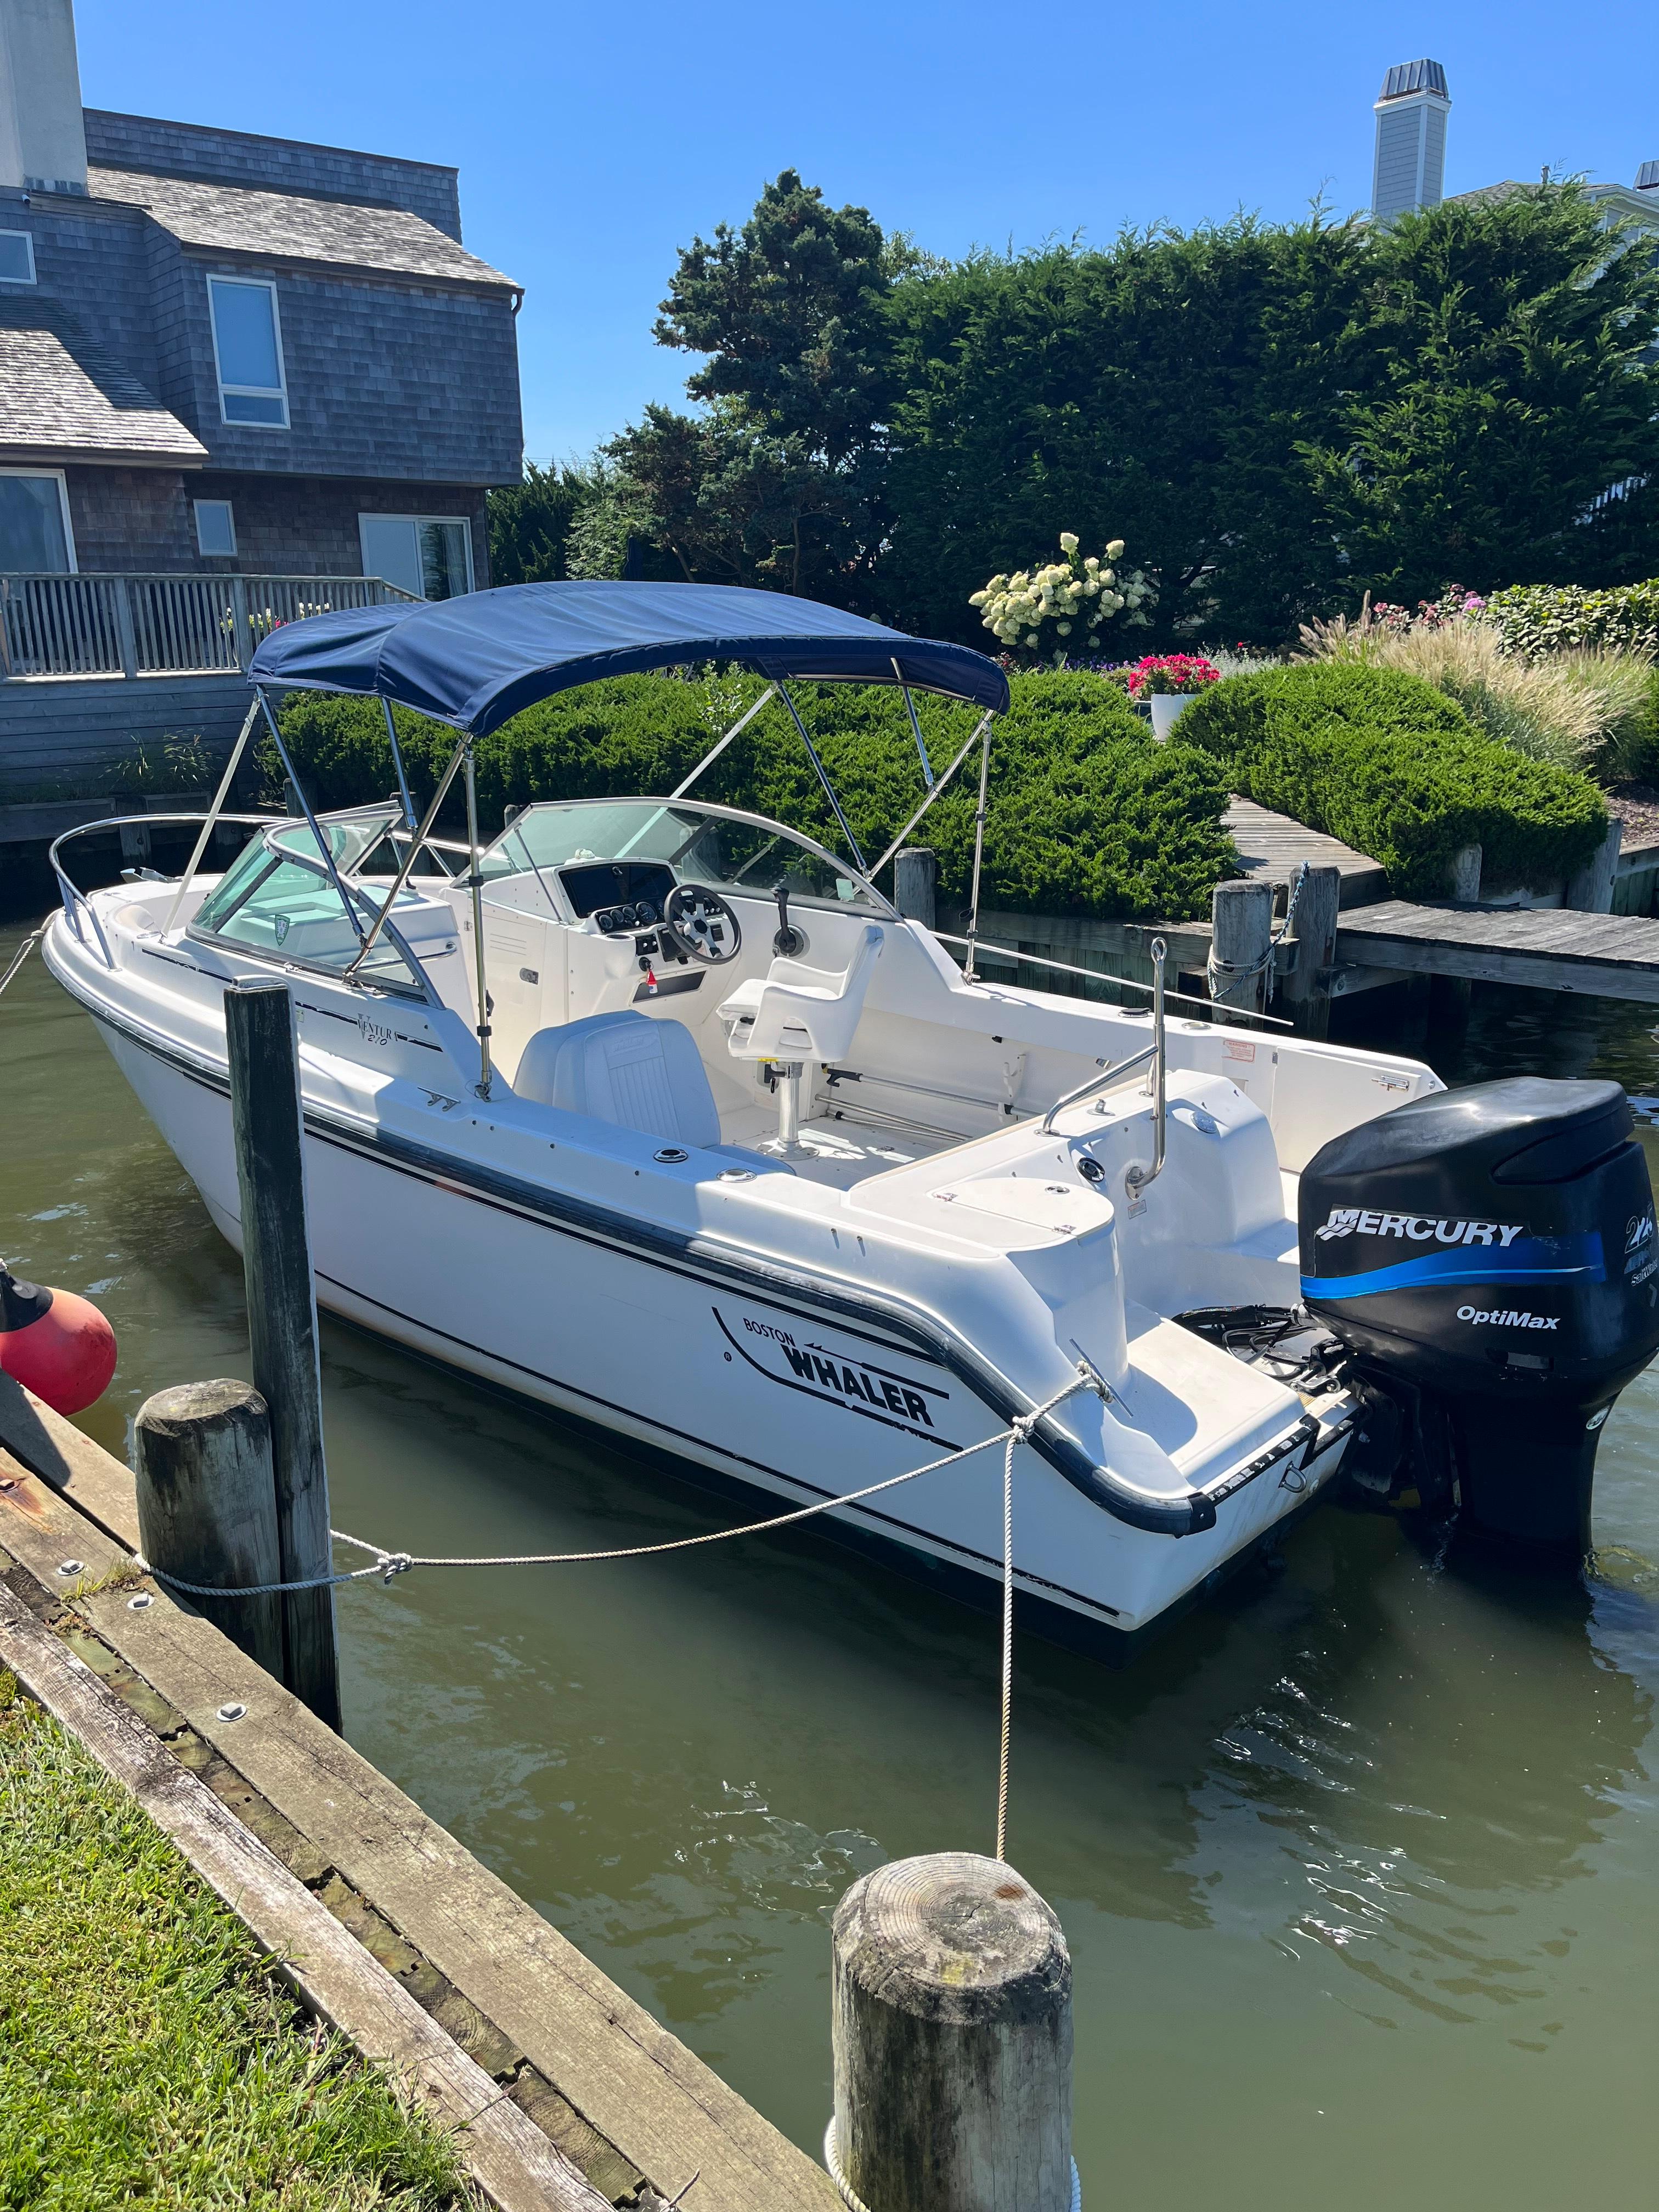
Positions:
{"x": 160, "y": 625}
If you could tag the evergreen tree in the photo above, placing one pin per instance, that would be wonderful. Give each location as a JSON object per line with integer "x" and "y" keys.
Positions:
{"x": 1503, "y": 361}
{"x": 778, "y": 481}
{"x": 530, "y": 523}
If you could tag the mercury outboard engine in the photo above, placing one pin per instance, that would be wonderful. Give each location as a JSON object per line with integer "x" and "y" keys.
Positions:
{"x": 1489, "y": 1256}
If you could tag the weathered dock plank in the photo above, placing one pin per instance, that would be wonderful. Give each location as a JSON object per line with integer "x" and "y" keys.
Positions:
{"x": 626, "y": 2076}
{"x": 507, "y": 2153}
{"x": 1270, "y": 846}
{"x": 1612, "y": 956}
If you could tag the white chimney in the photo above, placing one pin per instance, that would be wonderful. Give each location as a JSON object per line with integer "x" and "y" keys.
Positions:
{"x": 1410, "y": 141}
{"x": 43, "y": 140}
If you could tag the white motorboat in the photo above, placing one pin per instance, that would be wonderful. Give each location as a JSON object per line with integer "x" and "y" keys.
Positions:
{"x": 659, "y": 1113}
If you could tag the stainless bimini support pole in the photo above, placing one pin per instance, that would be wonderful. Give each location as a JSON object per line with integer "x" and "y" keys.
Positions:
{"x": 970, "y": 973}
{"x": 213, "y": 812}
{"x": 938, "y": 792}
{"x": 823, "y": 778}
{"x": 398, "y": 762}
{"x": 707, "y": 761}
{"x": 476, "y": 883}
{"x": 305, "y": 808}
{"x": 915, "y": 730}
{"x": 414, "y": 853}
{"x": 714, "y": 754}
{"x": 1136, "y": 1179}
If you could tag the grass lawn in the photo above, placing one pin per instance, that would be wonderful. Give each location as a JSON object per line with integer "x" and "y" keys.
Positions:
{"x": 144, "y": 2055}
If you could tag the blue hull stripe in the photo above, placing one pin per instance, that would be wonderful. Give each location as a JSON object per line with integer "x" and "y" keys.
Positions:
{"x": 1529, "y": 1259}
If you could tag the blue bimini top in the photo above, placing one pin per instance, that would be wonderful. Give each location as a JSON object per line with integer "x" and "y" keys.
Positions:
{"x": 475, "y": 661}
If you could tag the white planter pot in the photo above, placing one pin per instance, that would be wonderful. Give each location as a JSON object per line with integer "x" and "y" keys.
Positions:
{"x": 1168, "y": 707}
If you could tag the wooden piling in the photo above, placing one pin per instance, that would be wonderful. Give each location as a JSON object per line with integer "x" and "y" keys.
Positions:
{"x": 207, "y": 1505}
{"x": 953, "y": 2035}
{"x": 1241, "y": 920}
{"x": 1591, "y": 889}
{"x": 1464, "y": 884}
{"x": 282, "y": 1314}
{"x": 1307, "y": 987}
{"x": 915, "y": 884}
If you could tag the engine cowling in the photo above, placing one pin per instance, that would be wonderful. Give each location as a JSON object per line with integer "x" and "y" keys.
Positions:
{"x": 1490, "y": 1253}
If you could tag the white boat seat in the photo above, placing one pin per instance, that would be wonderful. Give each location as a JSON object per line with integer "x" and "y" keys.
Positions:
{"x": 794, "y": 1012}
{"x": 635, "y": 1071}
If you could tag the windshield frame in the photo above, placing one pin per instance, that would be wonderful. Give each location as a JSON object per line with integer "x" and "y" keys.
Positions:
{"x": 270, "y": 840}
{"x": 837, "y": 865}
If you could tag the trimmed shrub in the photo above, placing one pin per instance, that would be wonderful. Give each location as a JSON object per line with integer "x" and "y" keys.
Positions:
{"x": 1394, "y": 768}
{"x": 1535, "y": 618}
{"x": 1588, "y": 706}
{"x": 1086, "y": 814}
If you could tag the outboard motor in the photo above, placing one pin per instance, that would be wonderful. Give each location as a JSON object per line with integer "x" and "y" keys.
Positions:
{"x": 1489, "y": 1255}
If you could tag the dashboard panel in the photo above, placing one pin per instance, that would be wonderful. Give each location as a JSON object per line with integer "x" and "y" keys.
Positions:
{"x": 621, "y": 894}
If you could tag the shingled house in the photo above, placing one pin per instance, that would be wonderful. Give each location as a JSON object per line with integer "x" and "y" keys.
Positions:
{"x": 222, "y": 356}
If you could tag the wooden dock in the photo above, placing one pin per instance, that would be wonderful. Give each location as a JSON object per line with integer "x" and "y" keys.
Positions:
{"x": 1379, "y": 939}
{"x": 1271, "y": 846}
{"x": 565, "y": 2095}
{"x": 1607, "y": 955}
{"x": 1610, "y": 955}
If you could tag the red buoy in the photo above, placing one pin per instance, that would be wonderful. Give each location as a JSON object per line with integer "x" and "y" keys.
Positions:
{"x": 55, "y": 1344}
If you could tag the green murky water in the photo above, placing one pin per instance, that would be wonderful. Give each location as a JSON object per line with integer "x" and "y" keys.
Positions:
{"x": 1355, "y": 1865}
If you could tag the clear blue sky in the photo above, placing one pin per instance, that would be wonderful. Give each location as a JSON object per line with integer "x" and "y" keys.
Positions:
{"x": 593, "y": 141}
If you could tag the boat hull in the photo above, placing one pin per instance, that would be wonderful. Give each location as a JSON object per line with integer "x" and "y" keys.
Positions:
{"x": 761, "y": 1389}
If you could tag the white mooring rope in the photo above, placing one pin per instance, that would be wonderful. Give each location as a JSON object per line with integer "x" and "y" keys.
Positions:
{"x": 388, "y": 1563}
{"x": 22, "y": 954}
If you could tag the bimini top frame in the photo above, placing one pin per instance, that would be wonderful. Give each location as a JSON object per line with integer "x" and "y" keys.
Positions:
{"x": 475, "y": 661}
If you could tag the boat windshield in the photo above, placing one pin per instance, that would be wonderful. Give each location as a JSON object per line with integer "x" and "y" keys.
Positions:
{"x": 277, "y": 898}
{"x": 714, "y": 845}
{"x": 351, "y": 837}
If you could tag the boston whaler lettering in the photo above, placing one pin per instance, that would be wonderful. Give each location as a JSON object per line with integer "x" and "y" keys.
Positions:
{"x": 661, "y": 1112}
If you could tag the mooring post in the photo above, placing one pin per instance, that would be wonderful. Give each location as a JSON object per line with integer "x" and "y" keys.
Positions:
{"x": 282, "y": 1320}
{"x": 1307, "y": 987}
{"x": 207, "y": 1506}
{"x": 1242, "y": 923}
{"x": 1589, "y": 890}
{"x": 1465, "y": 875}
{"x": 1450, "y": 1000}
{"x": 915, "y": 884}
{"x": 952, "y": 2034}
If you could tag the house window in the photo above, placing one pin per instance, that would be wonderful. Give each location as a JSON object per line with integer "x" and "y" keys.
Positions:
{"x": 16, "y": 257}
{"x": 34, "y": 524}
{"x": 430, "y": 555}
{"x": 247, "y": 346}
{"x": 215, "y": 529}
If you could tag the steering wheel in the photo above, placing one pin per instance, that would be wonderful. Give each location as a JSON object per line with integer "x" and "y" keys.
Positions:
{"x": 705, "y": 926}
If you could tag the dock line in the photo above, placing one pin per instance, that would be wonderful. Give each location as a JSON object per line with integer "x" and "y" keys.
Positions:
{"x": 388, "y": 1563}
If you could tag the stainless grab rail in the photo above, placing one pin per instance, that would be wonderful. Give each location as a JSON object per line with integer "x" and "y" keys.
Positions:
{"x": 74, "y": 898}
{"x": 1107, "y": 1075}
{"x": 1137, "y": 1178}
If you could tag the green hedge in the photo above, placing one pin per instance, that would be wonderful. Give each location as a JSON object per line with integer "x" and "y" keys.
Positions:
{"x": 1534, "y": 618}
{"x": 1087, "y": 815}
{"x": 1394, "y": 768}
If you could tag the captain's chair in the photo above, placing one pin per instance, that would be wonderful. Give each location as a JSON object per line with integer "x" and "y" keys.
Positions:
{"x": 634, "y": 1071}
{"x": 797, "y": 1012}
{"x": 794, "y": 1013}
